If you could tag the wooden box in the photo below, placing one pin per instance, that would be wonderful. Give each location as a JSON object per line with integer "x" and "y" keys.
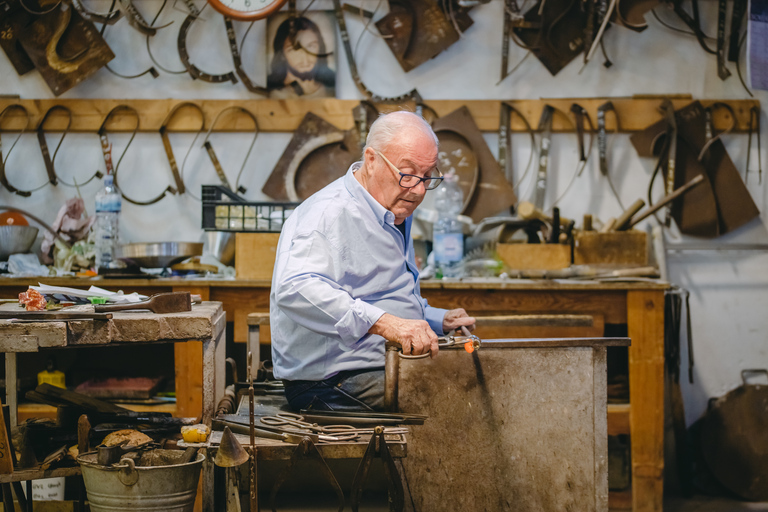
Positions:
{"x": 535, "y": 256}
{"x": 255, "y": 255}
{"x": 619, "y": 247}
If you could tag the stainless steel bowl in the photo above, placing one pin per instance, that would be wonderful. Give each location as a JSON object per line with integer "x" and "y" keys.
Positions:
{"x": 159, "y": 254}
{"x": 16, "y": 239}
{"x": 220, "y": 245}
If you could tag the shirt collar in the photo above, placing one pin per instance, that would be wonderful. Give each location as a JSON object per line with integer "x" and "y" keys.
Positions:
{"x": 383, "y": 216}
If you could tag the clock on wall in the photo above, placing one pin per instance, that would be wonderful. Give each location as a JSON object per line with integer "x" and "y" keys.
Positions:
{"x": 246, "y": 10}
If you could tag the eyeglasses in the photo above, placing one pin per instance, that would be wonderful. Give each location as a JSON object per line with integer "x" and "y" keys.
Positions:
{"x": 411, "y": 180}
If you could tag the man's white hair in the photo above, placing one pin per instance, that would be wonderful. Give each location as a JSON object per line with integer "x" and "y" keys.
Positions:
{"x": 388, "y": 126}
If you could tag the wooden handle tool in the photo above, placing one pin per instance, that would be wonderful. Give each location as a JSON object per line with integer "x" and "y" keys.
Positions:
{"x": 171, "y": 302}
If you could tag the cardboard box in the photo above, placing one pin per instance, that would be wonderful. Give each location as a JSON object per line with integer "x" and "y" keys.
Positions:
{"x": 255, "y": 255}
{"x": 535, "y": 256}
{"x": 617, "y": 247}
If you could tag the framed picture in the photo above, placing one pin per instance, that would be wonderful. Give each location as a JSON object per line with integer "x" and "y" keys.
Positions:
{"x": 301, "y": 55}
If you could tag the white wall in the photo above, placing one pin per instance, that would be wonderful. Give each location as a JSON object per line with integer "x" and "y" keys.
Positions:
{"x": 727, "y": 288}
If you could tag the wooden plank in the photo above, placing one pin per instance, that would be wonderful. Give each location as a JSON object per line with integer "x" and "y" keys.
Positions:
{"x": 239, "y": 302}
{"x": 618, "y": 419}
{"x": 552, "y": 329}
{"x": 6, "y": 461}
{"x": 645, "y": 313}
{"x": 635, "y": 113}
{"x": 483, "y": 302}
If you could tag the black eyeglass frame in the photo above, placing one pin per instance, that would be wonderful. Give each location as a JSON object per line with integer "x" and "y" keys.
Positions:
{"x": 427, "y": 181}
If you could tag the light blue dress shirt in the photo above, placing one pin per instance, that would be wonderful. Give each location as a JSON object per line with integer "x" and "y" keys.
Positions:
{"x": 340, "y": 265}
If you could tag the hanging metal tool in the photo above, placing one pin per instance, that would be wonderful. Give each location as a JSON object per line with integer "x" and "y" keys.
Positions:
{"x": 254, "y": 498}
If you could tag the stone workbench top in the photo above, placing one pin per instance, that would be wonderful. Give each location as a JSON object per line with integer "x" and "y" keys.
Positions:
{"x": 125, "y": 327}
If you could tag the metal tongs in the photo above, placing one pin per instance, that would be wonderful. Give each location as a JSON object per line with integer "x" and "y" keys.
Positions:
{"x": 469, "y": 340}
{"x": 464, "y": 338}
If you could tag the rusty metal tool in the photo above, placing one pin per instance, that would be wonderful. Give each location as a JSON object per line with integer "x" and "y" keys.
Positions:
{"x": 171, "y": 302}
{"x": 266, "y": 433}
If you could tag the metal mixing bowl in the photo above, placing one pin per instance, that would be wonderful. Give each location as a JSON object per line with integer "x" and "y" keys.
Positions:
{"x": 160, "y": 254}
{"x": 16, "y": 239}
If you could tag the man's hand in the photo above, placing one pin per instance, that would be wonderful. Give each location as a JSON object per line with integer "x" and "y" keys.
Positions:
{"x": 456, "y": 318}
{"x": 414, "y": 336}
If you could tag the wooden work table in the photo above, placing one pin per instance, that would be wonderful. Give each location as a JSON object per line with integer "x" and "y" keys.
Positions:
{"x": 638, "y": 305}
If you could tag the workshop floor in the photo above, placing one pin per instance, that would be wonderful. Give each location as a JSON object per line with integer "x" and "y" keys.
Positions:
{"x": 378, "y": 503}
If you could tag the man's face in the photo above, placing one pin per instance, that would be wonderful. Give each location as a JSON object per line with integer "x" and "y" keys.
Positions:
{"x": 301, "y": 52}
{"x": 416, "y": 155}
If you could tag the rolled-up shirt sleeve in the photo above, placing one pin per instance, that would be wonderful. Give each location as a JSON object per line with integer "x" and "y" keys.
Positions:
{"x": 307, "y": 290}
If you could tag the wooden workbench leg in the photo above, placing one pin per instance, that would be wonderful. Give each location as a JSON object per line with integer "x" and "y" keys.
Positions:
{"x": 645, "y": 323}
{"x": 209, "y": 499}
{"x": 188, "y": 363}
{"x": 11, "y": 388}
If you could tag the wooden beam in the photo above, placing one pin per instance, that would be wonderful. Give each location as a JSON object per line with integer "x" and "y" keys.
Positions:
{"x": 635, "y": 113}
{"x": 618, "y": 419}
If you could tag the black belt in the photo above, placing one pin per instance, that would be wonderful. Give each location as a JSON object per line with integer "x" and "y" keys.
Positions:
{"x": 107, "y": 151}
{"x": 3, "y": 178}
{"x": 545, "y": 125}
{"x": 180, "y": 188}
{"x": 580, "y": 115}
{"x": 212, "y": 154}
{"x": 235, "y": 50}
{"x": 738, "y": 11}
{"x": 505, "y": 142}
{"x": 53, "y": 178}
{"x": 602, "y": 145}
{"x": 722, "y": 70}
{"x": 413, "y": 95}
{"x": 193, "y": 70}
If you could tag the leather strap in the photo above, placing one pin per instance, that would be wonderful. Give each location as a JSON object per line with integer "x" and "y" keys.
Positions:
{"x": 136, "y": 20}
{"x": 413, "y": 95}
{"x": 180, "y": 188}
{"x": 194, "y": 71}
{"x": 378, "y": 446}
{"x": 52, "y": 178}
{"x": 668, "y": 110}
{"x": 49, "y": 160}
{"x": 107, "y": 151}
{"x": 722, "y": 69}
{"x": 3, "y": 178}
{"x": 109, "y": 18}
{"x": 709, "y": 129}
{"x": 237, "y": 61}
{"x": 307, "y": 451}
{"x": 505, "y": 142}
{"x": 754, "y": 127}
{"x": 212, "y": 154}
{"x": 694, "y": 23}
{"x": 545, "y": 126}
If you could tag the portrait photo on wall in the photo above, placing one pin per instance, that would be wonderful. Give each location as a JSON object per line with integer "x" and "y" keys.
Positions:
{"x": 302, "y": 55}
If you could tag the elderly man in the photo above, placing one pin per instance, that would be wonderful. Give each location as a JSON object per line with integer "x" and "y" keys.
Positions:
{"x": 345, "y": 279}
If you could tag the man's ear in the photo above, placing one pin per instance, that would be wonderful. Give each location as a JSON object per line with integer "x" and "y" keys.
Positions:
{"x": 369, "y": 156}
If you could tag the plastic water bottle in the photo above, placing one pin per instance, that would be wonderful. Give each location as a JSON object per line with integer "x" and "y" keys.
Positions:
{"x": 447, "y": 233}
{"x": 107, "y": 226}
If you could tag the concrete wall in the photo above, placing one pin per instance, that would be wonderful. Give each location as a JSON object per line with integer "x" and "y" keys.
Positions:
{"x": 727, "y": 298}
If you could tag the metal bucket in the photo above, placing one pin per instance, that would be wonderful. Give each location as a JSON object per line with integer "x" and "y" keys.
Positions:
{"x": 125, "y": 487}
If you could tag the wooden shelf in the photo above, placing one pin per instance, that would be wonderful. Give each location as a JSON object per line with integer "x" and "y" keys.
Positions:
{"x": 33, "y": 410}
{"x": 635, "y": 113}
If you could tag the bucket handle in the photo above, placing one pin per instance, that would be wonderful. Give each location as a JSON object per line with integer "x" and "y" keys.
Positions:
{"x": 753, "y": 371}
{"x": 128, "y": 473}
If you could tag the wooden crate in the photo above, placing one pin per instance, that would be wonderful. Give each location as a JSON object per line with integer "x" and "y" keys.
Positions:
{"x": 535, "y": 256}
{"x": 620, "y": 247}
{"x": 255, "y": 255}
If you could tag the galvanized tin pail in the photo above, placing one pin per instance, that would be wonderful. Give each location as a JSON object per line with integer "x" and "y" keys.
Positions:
{"x": 126, "y": 487}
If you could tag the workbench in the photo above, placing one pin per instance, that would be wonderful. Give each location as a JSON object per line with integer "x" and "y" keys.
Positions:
{"x": 637, "y": 305}
{"x": 204, "y": 323}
